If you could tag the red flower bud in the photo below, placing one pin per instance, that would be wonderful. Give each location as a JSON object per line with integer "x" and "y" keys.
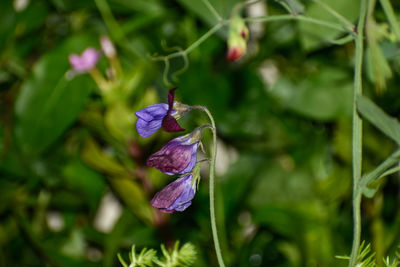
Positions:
{"x": 233, "y": 54}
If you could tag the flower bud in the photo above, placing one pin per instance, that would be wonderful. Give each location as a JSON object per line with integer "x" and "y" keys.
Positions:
{"x": 176, "y": 196}
{"x": 107, "y": 46}
{"x": 237, "y": 38}
{"x": 178, "y": 156}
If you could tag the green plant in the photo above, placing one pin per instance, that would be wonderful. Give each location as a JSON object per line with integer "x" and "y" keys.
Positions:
{"x": 183, "y": 256}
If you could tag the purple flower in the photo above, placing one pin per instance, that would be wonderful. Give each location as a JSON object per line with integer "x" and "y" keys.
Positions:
{"x": 176, "y": 196}
{"x": 86, "y": 61}
{"x": 178, "y": 156}
{"x": 150, "y": 119}
{"x": 154, "y": 117}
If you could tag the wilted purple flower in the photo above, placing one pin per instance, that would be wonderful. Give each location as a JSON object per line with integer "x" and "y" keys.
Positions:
{"x": 178, "y": 156}
{"x": 176, "y": 196}
{"x": 154, "y": 117}
{"x": 86, "y": 61}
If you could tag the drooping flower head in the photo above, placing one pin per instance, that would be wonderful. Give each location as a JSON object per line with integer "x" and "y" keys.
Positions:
{"x": 237, "y": 38}
{"x": 86, "y": 61}
{"x": 178, "y": 195}
{"x": 178, "y": 156}
{"x": 153, "y": 117}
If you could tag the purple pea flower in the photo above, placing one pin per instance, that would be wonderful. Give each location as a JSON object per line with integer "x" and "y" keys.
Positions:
{"x": 176, "y": 196}
{"x": 86, "y": 61}
{"x": 150, "y": 119}
{"x": 161, "y": 115}
{"x": 178, "y": 156}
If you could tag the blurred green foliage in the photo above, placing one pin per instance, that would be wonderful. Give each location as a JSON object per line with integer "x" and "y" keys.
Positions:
{"x": 283, "y": 115}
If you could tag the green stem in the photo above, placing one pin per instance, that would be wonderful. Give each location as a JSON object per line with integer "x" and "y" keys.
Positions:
{"x": 212, "y": 9}
{"x": 211, "y": 187}
{"x": 114, "y": 28}
{"x": 239, "y": 6}
{"x": 390, "y": 171}
{"x": 253, "y": 19}
{"x": 204, "y": 37}
{"x": 298, "y": 17}
{"x": 356, "y": 227}
{"x": 345, "y": 22}
{"x": 221, "y": 23}
{"x": 387, "y": 7}
{"x": 357, "y": 134}
{"x": 184, "y": 54}
{"x": 192, "y": 46}
{"x": 165, "y": 74}
{"x": 99, "y": 79}
{"x": 378, "y": 171}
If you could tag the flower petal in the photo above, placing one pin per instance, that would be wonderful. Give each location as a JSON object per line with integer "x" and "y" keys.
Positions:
{"x": 167, "y": 196}
{"x": 176, "y": 157}
{"x": 193, "y": 159}
{"x": 147, "y": 128}
{"x": 90, "y": 56}
{"x": 176, "y": 196}
{"x": 185, "y": 199}
{"x": 233, "y": 54}
{"x": 155, "y": 111}
{"x": 171, "y": 96}
{"x": 86, "y": 61}
{"x": 170, "y": 124}
{"x": 150, "y": 119}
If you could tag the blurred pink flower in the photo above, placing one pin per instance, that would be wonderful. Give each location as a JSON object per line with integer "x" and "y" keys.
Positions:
{"x": 86, "y": 61}
{"x": 107, "y": 46}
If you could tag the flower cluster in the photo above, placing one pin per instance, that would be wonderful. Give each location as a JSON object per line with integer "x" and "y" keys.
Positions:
{"x": 178, "y": 156}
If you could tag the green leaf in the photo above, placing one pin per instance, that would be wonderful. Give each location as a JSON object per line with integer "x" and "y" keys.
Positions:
{"x": 200, "y": 9}
{"x": 94, "y": 156}
{"x": 33, "y": 17}
{"x": 375, "y": 115}
{"x": 48, "y": 102}
{"x": 133, "y": 196}
{"x": 74, "y": 246}
{"x": 7, "y": 22}
{"x": 323, "y": 95}
{"x": 86, "y": 181}
{"x": 121, "y": 260}
{"x": 378, "y": 67}
{"x": 148, "y": 7}
{"x": 369, "y": 192}
{"x": 118, "y": 121}
{"x": 295, "y": 7}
